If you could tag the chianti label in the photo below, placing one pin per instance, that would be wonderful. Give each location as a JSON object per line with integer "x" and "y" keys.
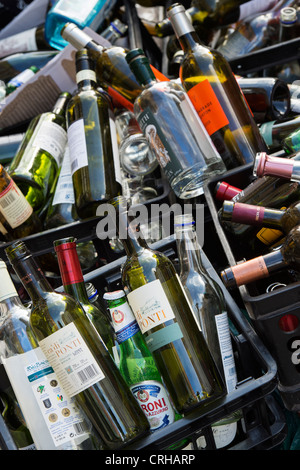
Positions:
{"x": 71, "y": 359}
{"x": 153, "y": 400}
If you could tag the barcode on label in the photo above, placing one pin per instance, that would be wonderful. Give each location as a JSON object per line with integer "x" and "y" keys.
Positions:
{"x": 7, "y": 200}
{"x": 88, "y": 373}
{"x": 80, "y": 428}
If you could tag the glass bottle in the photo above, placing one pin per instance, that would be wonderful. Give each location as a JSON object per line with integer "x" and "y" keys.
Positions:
{"x": 262, "y": 266}
{"x": 112, "y": 70}
{"x": 34, "y": 382}
{"x": 62, "y": 210}
{"x": 38, "y": 159}
{"x": 92, "y": 378}
{"x": 225, "y": 191}
{"x": 291, "y": 143}
{"x": 29, "y": 40}
{"x": 174, "y": 131}
{"x": 275, "y": 132}
{"x": 15, "y": 63}
{"x": 91, "y": 13}
{"x": 136, "y": 156}
{"x": 208, "y": 79}
{"x": 73, "y": 283}
{"x": 281, "y": 219}
{"x": 287, "y": 168}
{"x": 165, "y": 317}
{"x": 20, "y": 79}
{"x": 254, "y": 33}
{"x": 92, "y": 142}
{"x": 114, "y": 31}
{"x": 17, "y": 218}
{"x": 137, "y": 364}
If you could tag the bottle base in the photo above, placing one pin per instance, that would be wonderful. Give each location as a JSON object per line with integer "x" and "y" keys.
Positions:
{"x": 190, "y": 183}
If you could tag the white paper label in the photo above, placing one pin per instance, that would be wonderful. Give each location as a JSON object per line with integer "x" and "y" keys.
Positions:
{"x": 24, "y": 41}
{"x": 14, "y": 206}
{"x": 226, "y": 351}
{"x": 64, "y": 191}
{"x": 71, "y": 360}
{"x": 150, "y": 305}
{"x": 77, "y": 146}
{"x": 21, "y": 78}
{"x": 52, "y": 138}
{"x": 115, "y": 148}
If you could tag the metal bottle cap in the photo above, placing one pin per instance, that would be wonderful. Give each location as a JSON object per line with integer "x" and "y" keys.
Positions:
{"x": 180, "y": 19}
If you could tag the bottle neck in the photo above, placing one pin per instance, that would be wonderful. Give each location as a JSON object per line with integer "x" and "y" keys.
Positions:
{"x": 85, "y": 72}
{"x": 188, "y": 249}
{"x": 70, "y": 270}
{"x": 183, "y": 28}
{"x": 61, "y": 104}
{"x": 249, "y": 214}
{"x": 79, "y": 39}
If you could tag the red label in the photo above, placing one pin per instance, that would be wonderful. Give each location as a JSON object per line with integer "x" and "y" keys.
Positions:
{"x": 69, "y": 266}
{"x": 208, "y": 107}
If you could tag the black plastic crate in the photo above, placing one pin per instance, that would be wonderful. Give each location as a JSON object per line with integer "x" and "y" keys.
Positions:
{"x": 269, "y": 310}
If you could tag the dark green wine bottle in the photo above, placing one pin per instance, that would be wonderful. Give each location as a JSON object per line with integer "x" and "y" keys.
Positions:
{"x": 92, "y": 142}
{"x": 78, "y": 355}
{"x": 165, "y": 317}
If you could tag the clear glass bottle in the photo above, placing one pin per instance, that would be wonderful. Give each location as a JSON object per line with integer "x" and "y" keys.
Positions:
{"x": 34, "y": 382}
{"x": 92, "y": 141}
{"x": 165, "y": 317}
{"x": 174, "y": 131}
{"x": 137, "y": 364}
{"x": 211, "y": 86}
{"x": 36, "y": 164}
{"x": 92, "y": 378}
{"x": 20, "y": 79}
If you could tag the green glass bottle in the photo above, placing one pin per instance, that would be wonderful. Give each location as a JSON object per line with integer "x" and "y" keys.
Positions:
{"x": 92, "y": 142}
{"x": 78, "y": 355}
{"x": 38, "y": 159}
{"x": 291, "y": 143}
{"x": 137, "y": 364}
{"x": 165, "y": 317}
{"x": 73, "y": 282}
{"x": 17, "y": 218}
{"x": 208, "y": 79}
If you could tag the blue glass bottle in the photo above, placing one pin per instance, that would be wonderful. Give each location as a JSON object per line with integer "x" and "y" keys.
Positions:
{"x": 90, "y": 13}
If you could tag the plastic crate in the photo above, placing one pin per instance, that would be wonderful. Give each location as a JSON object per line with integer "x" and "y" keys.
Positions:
{"x": 266, "y": 309}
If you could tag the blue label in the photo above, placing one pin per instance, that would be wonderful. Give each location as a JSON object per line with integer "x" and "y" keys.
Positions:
{"x": 127, "y": 332}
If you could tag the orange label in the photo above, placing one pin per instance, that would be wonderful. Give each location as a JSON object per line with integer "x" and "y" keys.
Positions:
{"x": 250, "y": 271}
{"x": 208, "y": 107}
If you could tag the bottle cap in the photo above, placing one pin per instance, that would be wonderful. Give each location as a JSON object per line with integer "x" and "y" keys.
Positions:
{"x": 117, "y": 294}
{"x": 225, "y": 191}
{"x": 288, "y": 15}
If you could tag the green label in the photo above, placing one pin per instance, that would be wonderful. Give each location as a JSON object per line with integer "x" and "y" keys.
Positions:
{"x": 159, "y": 144}
{"x": 164, "y": 336}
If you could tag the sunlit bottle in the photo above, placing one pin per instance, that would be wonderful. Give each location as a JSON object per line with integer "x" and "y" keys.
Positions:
{"x": 16, "y": 63}
{"x": 38, "y": 159}
{"x": 29, "y": 40}
{"x": 275, "y": 133}
{"x": 211, "y": 86}
{"x": 287, "y": 168}
{"x": 92, "y": 141}
{"x": 20, "y": 79}
{"x": 91, "y": 377}
{"x": 154, "y": 291}
{"x": 174, "y": 131}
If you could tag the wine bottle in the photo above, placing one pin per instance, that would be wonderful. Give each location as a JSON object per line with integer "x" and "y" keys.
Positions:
{"x": 114, "y": 31}
{"x": 288, "y": 168}
{"x": 36, "y": 164}
{"x": 137, "y": 364}
{"x": 165, "y": 317}
{"x": 62, "y": 210}
{"x": 91, "y": 13}
{"x": 262, "y": 266}
{"x": 255, "y": 33}
{"x": 112, "y": 70}
{"x": 17, "y": 218}
{"x": 14, "y": 64}
{"x": 136, "y": 156}
{"x": 73, "y": 283}
{"x": 92, "y": 142}
{"x": 291, "y": 143}
{"x": 275, "y": 133}
{"x": 91, "y": 376}
{"x": 33, "y": 382}
{"x": 225, "y": 191}
{"x": 174, "y": 131}
{"x": 20, "y": 79}
{"x": 268, "y": 97}
{"x": 29, "y": 40}
{"x": 208, "y": 79}
{"x": 9, "y": 145}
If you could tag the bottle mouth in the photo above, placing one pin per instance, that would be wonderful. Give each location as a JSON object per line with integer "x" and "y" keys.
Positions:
{"x": 259, "y": 164}
{"x": 17, "y": 250}
{"x": 63, "y": 244}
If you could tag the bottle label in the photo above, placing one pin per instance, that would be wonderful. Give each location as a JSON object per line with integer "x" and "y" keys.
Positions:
{"x": 71, "y": 359}
{"x": 77, "y": 145}
{"x": 14, "y": 206}
{"x": 7, "y": 288}
{"x": 150, "y": 305}
{"x": 124, "y": 322}
{"x": 163, "y": 336}
{"x": 248, "y": 270}
{"x": 86, "y": 75}
{"x": 223, "y": 435}
{"x": 21, "y": 78}
{"x": 153, "y": 400}
{"x": 41, "y": 396}
{"x": 115, "y": 147}
{"x": 52, "y": 138}
{"x": 30, "y": 447}
{"x": 248, "y": 214}
{"x": 208, "y": 107}
{"x": 64, "y": 191}
{"x": 268, "y": 235}
{"x": 226, "y": 351}
{"x": 237, "y": 45}
{"x": 24, "y": 41}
